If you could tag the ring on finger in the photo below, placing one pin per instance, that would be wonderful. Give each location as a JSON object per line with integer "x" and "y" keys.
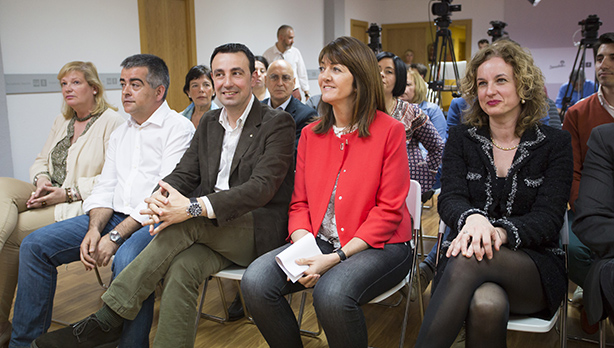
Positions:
{"x": 43, "y": 203}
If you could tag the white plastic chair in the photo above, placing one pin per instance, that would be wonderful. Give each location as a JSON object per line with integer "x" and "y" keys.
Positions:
{"x": 525, "y": 323}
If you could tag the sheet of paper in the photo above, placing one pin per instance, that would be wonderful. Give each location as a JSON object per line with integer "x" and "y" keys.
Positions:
{"x": 303, "y": 248}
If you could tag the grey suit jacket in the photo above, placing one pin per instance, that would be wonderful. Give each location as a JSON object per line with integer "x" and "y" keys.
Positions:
{"x": 594, "y": 220}
{"x": 261, "y": 178}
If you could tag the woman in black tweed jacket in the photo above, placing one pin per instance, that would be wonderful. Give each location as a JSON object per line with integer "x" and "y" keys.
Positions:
{"x": 505, "y": 185}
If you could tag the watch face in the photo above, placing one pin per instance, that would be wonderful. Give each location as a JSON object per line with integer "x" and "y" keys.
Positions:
{"x": 194, "y": 209}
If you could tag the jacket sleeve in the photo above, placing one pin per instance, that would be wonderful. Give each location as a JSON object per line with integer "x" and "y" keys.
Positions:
{"x": 594, "y": 220}
{"x": 570, "y": 124}
{"x": 543, "y": 222}
{"x": 454, "y": 204}
{"x": 429, "y": 137}
{"x": 384, "y": 218}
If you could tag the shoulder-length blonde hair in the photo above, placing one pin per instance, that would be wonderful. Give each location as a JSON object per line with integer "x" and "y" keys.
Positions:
{"x": 529, "y": 85}
{"x": 91, "y": 76}
{"x": 419, "y": 87}
{"x": 369, "y": 96}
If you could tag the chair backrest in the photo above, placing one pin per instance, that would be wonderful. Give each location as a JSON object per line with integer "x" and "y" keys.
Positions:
{"x": 565, "y": 230}
{"x": 414, "y": 203}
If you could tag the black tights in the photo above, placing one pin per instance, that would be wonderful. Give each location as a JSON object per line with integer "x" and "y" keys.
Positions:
{"x": 481, "y": 294}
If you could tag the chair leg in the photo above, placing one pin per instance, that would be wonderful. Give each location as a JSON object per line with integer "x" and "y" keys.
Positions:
{"x": 563, "y": 324}
{"x": 102, "y": 284}
{"x": 602, "y": 334}
{"x": 202, "y": 301}
{"x": 301, "y": 311}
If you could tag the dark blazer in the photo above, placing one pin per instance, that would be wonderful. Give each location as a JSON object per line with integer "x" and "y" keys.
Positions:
{"x": 533, "y": 201}
{"x": 261, "y": 177}
{"x": 594, "y": 220}
{"x": 302, "y": 114}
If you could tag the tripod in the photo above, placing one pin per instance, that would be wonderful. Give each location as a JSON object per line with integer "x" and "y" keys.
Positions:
{"x": 443, "y": 46}
{"x": 577, "y": 71}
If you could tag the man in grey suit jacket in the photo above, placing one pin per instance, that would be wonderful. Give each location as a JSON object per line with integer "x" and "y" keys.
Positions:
{"x": 241, "y": 160}
{"x": 594, "y": 222}
{"x": 280, "y": 81}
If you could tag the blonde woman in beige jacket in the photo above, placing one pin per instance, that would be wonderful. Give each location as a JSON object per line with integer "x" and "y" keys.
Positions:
{"x": 62, "y": 175}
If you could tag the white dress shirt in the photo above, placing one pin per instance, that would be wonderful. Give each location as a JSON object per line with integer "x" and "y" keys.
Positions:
{"x": 294, "y": 57}
{"x": 137, "y": 157}
{"x": 609, "y": 108}
{"x": 229, "y": 146}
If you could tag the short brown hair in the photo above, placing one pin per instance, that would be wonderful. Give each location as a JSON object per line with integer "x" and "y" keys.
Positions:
{"x": 369, "y": 96}
{"x": 529, "y": 85}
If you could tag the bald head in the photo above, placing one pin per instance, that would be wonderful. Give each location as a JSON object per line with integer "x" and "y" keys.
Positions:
{"x": 285, "y": 38}
{"x": 280, "y": 82}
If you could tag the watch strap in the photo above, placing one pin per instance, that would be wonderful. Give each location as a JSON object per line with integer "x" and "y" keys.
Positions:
{"x": 116, "y": 238}
{"x": 341, "y": 254}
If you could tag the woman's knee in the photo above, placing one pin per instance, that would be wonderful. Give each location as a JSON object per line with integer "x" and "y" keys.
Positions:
{"x": 333, "y": 297}
{"x": 258, "y": 278}
{"x": 489, "y": 303}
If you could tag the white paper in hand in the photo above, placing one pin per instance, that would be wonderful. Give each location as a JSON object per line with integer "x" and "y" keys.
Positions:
{"x": 302, "y": 248}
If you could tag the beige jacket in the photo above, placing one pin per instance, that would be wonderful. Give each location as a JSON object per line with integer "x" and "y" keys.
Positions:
{"x": 84, "y": 161}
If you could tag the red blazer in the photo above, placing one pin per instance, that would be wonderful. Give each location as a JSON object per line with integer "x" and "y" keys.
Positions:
{"x": 372, "y": 187}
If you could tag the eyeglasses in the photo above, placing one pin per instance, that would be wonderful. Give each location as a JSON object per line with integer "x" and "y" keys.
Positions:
{"x": 284, "y": 78}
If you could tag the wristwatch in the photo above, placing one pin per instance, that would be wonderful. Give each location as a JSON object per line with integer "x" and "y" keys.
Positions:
{"x": 116, "y": 238}
{"x": 194, "y": 209}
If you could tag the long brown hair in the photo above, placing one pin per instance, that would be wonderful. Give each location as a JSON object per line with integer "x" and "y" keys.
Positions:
{"x": 369, "y": 97}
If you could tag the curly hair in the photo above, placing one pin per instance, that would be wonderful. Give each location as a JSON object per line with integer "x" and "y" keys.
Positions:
{"x": 527, "y": 76}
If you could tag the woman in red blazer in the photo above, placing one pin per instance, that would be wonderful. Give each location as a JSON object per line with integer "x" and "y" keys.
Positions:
{"x": 352, "y": 178}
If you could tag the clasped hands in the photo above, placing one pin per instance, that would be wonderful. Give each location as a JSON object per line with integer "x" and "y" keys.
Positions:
{"x": 478, "y": 237}
{"x": 165, "y": 207}
{"x": 45, "y": 194}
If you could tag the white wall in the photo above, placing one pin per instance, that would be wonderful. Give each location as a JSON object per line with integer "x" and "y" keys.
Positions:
{"x": 40, "y": 37}
{"x": 255, "y": 23}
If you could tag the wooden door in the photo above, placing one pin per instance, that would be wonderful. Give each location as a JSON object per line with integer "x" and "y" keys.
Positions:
{"x": 358, "y": 29}
{"x": 397, "y": 38}
{"x": 168, "y": 30}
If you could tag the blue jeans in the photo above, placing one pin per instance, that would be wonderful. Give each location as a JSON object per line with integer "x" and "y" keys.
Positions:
{"x": 57, "y": 244}
{"x": 337, "y": 296}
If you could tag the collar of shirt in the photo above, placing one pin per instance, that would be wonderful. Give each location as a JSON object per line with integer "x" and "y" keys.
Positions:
{"x": 156, "y": 118}
{"x": 240, "y": 122}
{"x": 609, "y": 108}
{"x": 277, "y": 51}
{"x": 284, "y": 105}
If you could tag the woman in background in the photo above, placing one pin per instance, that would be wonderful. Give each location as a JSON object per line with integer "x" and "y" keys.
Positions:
{"x": 418, "y": 127}
{"x": 199, "y": 89}
{"x": 415, "y": 93}
{"x": 259, "y": 88}
{"x": 62, "y": 175}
